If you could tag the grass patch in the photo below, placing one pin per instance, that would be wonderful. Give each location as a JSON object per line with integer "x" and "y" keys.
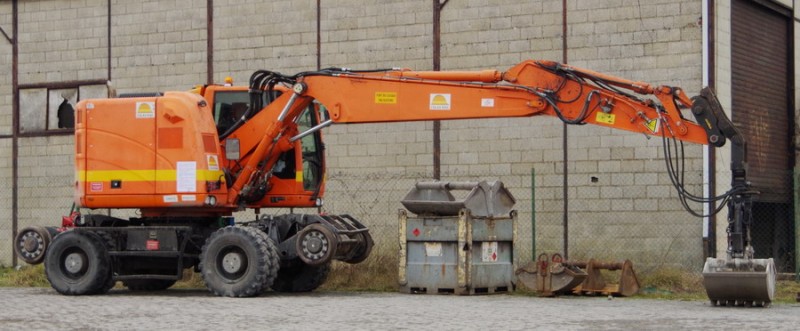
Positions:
{"x": 28, "y": 276}
{"x": 377, "y": 273}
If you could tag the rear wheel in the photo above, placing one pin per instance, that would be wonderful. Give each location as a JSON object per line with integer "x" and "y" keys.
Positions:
{"x": 274, "y": 261}
{"x": 236, "y": 262}
{"x": 78, "y": 263}
{"x": 301, "y": 277}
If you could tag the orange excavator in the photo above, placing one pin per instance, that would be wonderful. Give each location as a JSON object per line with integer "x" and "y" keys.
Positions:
{"x": 186, "y": 161}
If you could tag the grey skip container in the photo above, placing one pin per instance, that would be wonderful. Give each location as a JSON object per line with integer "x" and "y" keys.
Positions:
{"x": 450, "y": 248}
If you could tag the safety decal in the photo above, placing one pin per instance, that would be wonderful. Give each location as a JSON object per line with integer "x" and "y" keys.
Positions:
{"x": 188, "y": 197}
{"x": 213, "y": 162}
{"x": 653, "y": 125}
{"x": 605, "y": 118}
{"x": 433, "y": 249}
{"x": 387, "y": 98}
{"x": 489, "y": 249}
{"x": 440, "y": 101}
{"x": 145, "y": 109}
{"x": 487, "y": 103}
{"x": 170, "y": 198}
{"x": 96, "y": 187}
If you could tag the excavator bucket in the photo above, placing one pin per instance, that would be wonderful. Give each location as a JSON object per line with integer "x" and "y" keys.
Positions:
{"x": 740, "y": 282}
{"x": 550, "y": 277}
{"x": 627, "y": 284}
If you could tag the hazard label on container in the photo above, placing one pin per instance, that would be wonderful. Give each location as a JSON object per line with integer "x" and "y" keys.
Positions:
{"x": 489, "y": 249}
{"x": 433, "y": 249}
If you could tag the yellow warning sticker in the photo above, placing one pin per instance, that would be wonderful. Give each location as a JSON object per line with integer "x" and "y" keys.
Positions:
{"x": 389, "y": 98}
{"x": 213, "y": 162}
{"x": 652, "y": 125}
{"x": 145, "y": 110}
{"x": 440, "y": 101}
{"x": 605, "y": 118}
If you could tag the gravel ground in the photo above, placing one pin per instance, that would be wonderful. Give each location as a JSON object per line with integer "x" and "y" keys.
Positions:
{"x": 44, "y": 309}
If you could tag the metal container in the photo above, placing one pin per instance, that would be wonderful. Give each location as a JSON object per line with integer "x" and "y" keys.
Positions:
{"x": 457, "y": 254}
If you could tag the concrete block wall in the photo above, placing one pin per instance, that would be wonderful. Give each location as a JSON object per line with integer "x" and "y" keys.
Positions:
{"x": 372, "y": 166}
{"x": 480, "y": 35}
{"x": 157, "y": 45}
{"x": 615, "y": 178}
{"x": 161, "y": 45}
{"x": 6, "y": 98}
{"x": 659, "y": 43}
{"x": 62, "y": 40}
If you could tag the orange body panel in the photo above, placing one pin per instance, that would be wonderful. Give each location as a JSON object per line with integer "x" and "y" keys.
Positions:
{"x": 146, "y": 152}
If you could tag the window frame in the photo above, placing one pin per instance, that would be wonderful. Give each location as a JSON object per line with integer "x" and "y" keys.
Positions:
{"x": 50, "y": 87}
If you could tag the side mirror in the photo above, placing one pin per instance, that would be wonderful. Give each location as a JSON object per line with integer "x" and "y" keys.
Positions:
{"x": 232, "y": 149}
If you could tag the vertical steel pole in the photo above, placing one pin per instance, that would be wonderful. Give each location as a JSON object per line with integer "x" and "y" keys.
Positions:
{"x": 209, "y": 41}
{"x": 437, "y": 125}
{"x": 565, "y": 169}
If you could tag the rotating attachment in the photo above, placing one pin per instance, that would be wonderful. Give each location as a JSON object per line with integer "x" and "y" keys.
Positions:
{"x": 316, "y": 244}
{"x": 31, "y": 243}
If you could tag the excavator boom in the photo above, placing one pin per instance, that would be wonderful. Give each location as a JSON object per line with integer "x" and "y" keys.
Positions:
{"x": 531, "y": 88}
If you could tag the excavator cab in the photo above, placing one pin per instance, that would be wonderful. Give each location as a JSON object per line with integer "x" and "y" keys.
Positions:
{"x": 297, "y": 176}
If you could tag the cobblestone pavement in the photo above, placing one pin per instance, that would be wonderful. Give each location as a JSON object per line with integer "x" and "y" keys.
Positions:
{"x": 44, "y": 309}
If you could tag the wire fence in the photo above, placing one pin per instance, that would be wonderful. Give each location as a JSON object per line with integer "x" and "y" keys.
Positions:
{"x": 634, "y": 216}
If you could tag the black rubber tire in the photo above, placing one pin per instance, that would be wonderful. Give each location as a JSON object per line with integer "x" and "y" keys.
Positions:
{"x": 311, "y": 236}
{"x": 31, "y": 244}
{"x": 274, "y": 259}
{"x": 235, "y": 262}
{"x": 301, "y": 277}
{"x": 148, "y": 284}
{"x": 110, "y": 243}
{"x": 87, "y": 252}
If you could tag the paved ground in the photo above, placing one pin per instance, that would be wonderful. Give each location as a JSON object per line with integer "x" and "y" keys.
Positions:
{"x": 43, "y": 309}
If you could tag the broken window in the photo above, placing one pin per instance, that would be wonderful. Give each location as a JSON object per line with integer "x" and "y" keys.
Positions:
{"x": 43, "y": 109}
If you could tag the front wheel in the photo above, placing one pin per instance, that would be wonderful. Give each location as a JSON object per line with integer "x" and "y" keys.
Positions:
{"x": 77, "y": 263}
{"x": 236, "y": 262}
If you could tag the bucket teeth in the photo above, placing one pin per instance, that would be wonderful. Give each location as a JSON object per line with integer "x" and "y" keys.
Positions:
{"x": 740, "y": 282}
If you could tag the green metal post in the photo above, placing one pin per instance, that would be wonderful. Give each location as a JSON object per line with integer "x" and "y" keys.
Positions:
{"x": 533, "y": 214}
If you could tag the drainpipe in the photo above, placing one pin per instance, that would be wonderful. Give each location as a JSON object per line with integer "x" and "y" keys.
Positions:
{"x": 14, "y": 126}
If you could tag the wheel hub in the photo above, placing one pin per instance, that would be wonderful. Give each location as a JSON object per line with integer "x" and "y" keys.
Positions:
{"x": 74, "y": 263}
{"x": 232, "y": 262}
{"x": 315, "y": 245}
{"x": 31, "y": 242}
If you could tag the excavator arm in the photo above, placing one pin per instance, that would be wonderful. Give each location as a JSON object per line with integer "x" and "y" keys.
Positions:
{"x": 531, "y": 88}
